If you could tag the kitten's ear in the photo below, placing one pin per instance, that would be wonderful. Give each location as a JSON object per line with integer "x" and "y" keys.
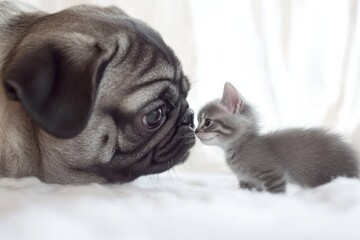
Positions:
{"x": 231, "y": 98}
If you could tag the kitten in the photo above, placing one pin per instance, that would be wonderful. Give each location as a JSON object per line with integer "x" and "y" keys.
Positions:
{"x": 307, "y": 157}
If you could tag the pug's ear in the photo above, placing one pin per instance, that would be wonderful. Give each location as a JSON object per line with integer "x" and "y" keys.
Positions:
{"x": 56, "y": 81}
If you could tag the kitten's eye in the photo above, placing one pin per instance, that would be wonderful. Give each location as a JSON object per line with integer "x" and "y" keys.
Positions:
{"x": 207, "y": 122}
{"x": 154, "y": 119}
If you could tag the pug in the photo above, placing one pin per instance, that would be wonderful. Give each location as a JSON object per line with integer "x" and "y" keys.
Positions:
{"x": 88, "y": 94}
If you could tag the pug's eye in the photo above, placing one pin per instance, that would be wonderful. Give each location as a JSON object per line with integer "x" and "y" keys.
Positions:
{"x": 153, "y": 119}
{"x": 207, "y": 122}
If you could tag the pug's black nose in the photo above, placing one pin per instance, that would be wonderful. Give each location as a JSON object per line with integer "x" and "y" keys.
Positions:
{"x": 188, "y": 118}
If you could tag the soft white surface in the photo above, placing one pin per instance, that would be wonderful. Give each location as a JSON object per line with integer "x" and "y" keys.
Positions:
{"x": 177, "y": 206}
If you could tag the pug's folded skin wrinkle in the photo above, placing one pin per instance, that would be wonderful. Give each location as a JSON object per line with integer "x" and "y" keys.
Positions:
{"x": 88, "y": 94}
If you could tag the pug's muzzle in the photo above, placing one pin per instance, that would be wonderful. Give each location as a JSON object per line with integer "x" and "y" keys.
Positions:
{"x": 173, "y": 149}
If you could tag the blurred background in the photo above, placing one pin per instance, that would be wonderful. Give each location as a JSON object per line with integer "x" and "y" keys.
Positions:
{"x": 297, "y": 61}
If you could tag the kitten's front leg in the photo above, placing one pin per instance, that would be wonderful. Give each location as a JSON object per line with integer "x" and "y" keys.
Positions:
{"x": 274, "y": 181}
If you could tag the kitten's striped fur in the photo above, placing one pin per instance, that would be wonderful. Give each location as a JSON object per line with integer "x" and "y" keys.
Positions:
{"x": 307, "y": 157}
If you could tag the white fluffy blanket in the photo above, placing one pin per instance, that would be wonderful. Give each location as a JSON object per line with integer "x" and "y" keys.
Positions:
{"x": 185, "y": 205}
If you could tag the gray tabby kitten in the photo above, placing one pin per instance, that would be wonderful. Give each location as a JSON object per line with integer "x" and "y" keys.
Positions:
{"x": 306, "y": 157}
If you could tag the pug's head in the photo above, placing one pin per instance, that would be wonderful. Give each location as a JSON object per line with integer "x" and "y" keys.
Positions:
{"x": 106, "y": 94}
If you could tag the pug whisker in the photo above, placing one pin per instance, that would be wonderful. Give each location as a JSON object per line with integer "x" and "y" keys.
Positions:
{"x": 170, "y": 176}
{"x": 174, "y": 171}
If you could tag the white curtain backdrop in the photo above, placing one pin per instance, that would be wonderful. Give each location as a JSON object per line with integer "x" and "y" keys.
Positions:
{"x": 297, "y": 61}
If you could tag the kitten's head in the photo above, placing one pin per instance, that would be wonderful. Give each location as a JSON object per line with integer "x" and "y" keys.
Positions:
{"x": 225, "y": 120}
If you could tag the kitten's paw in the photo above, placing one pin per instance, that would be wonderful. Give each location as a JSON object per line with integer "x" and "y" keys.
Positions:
{"x": 249, "y": 186}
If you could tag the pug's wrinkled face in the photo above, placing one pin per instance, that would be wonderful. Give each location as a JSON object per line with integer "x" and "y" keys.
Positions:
{"x": 139, "y": 121}
{"x": 138, "y": 127}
